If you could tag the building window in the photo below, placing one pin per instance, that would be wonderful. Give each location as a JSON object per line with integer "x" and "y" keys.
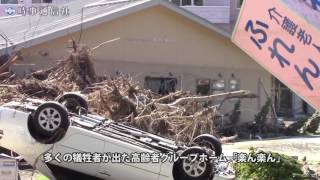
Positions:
{"x": 198, "y": 2}
{"x": 203, "y": 87}
{"x": 189, "y": 2}
{"x": 234, "y": 84}
{"x": 41, "y": 1}
{"x": 176, "y": 2}
{"x": 161, "y": 85}
{"x": 239, "y": 3}
{"x": 186, "y": 2}
{"x": 283, "y": 99}
{"x": 9, "y": 1}
{"x": 218, "y": 86}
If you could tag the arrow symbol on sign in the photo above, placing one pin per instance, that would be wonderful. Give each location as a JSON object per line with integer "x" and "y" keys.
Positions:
{"x": 273, "y": 11}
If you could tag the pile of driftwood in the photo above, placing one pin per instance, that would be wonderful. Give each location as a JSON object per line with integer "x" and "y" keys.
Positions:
{"x": 179, "y": 115}
{"x": 5, "y": 62}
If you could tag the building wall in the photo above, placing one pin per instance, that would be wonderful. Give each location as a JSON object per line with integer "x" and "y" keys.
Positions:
{"x": 156, "y": 42}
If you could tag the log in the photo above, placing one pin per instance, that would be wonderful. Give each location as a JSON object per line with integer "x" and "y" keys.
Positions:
{"x": 235, "y": 94}
{"x": 165, "y": 107}
{"x": 4, "y": 75}
{"x": 104, "y": 43}
{"x": 191, "y": 117}
{"x": 8, "y": 86}
{"x": 11, "y": 60}
{"x": 9, "y": 78}
{"x": 168, "y": 97}
{"x": 293, "y": 128}
{"x": 312, "y": 123}
{"x": 229, "y": 139}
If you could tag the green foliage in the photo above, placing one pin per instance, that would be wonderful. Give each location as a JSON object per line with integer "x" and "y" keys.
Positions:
{"x": 41, "y": 177}
{"x": 235, "y": 114}
{"x": 287, "y": 169}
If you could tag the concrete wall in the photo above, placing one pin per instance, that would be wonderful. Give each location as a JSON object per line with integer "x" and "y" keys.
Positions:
{"x": 157, "y": 41}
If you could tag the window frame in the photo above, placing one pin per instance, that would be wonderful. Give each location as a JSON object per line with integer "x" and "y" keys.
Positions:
{"x": 182, "y": 1}
{"x": 41, "y": 2}
{"x": 237, "y": 88}
{"x": 166, "y": 83}
{"x": 239, "y": 3}
{"x": 8, "y": 3}
{"x": 200, "y": 1}
{"x": 198, "y": 84}
{"x": 215, "y": 89}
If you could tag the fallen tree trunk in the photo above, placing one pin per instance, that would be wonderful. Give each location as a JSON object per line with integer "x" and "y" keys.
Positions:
{"x": 236, "y": 94}
{"x": 4, "y": 75}
{"x": 293, "y": 128}
{"x": 229, "y": 139}
{"x": 312, "y": 124}
{"x": 10, "y": 61}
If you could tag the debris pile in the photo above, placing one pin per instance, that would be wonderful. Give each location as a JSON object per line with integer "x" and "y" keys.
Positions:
{"x": 179, "y": 115}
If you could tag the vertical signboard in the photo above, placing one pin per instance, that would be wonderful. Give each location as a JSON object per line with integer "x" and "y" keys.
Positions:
{"x": 284, "y": 42}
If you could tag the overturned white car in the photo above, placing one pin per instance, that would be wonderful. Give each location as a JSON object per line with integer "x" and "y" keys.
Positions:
{"x": 63, "y": 141}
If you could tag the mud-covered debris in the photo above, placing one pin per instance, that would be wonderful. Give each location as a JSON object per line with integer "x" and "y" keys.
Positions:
{"x": 179, "y": 115}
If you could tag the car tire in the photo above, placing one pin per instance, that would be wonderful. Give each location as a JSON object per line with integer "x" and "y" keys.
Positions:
{"x": 73, "y": 102}
{"x": 209, "y": 141}
{"x": 49, "y": 123}
{"x": 193, "y": 168}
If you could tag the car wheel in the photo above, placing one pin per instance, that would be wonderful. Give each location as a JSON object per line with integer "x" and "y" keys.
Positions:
{"x": 73, "y": 102}
{"x": 49, "y": 123}
{"x": 194, "y": 167}
{"x": 209, "y": 141}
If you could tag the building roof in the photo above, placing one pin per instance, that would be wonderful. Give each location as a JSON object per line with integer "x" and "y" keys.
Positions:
{"x": 27, "y": 31}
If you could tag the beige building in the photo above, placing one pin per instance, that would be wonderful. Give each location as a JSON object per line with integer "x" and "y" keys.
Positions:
{"x": 162, "y": 46}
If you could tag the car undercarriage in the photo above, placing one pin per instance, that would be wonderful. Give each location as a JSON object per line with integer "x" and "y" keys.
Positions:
{"x": 52, "y": 123}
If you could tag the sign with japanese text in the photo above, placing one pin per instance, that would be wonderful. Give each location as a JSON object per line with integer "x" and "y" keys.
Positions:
{"x": 307, "y": 9}
{"x": 284, "y": 43}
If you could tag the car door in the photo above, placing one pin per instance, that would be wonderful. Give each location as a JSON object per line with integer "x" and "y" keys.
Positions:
{"x": 124, "y": 170}
{"x": 77, "y": 151}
